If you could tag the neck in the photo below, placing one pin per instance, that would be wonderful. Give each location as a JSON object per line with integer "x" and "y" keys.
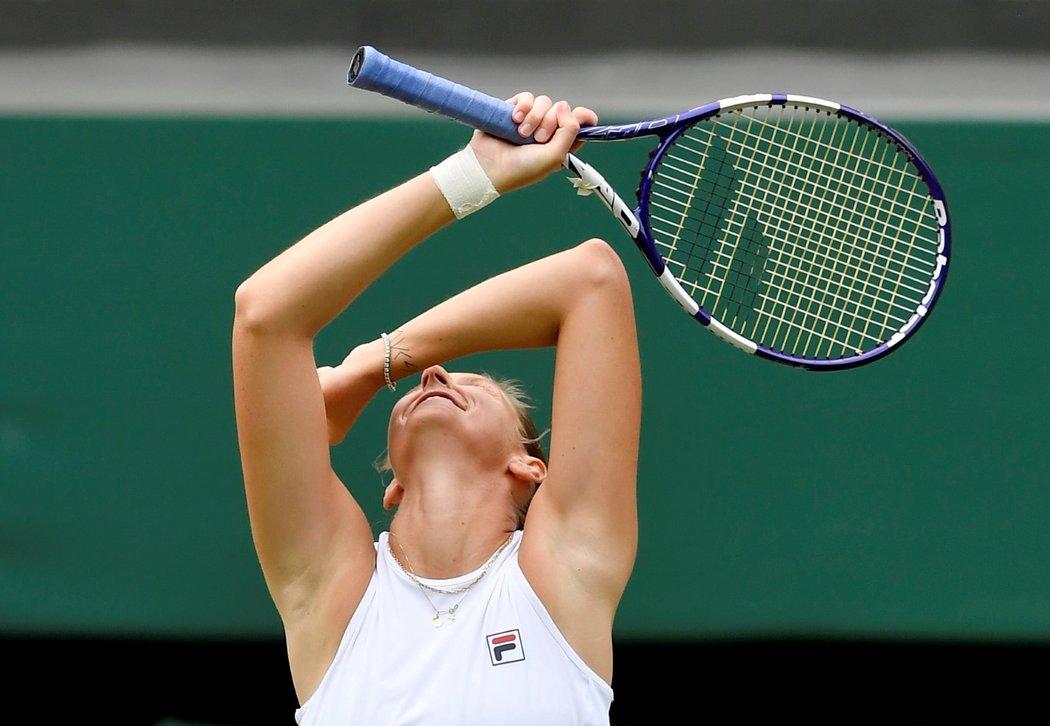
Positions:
{"x": 442, "y": 546}
{"x": 451, "y": 517}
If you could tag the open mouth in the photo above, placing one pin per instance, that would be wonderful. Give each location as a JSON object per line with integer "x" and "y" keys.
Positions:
{"x": 439, "y": 394}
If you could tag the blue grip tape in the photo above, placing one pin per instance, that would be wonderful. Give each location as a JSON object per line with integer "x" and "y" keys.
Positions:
{"x": 371, "y": 70}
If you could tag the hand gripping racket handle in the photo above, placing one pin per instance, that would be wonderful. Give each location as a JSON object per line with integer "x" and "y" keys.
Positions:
{"x": 371, "y": 70}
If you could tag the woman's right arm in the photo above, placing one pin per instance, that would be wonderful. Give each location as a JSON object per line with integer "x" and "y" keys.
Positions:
{"x": 314, "y": 543}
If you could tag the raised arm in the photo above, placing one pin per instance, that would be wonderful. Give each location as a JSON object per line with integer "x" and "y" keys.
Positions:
{"x": 580, "y": 534}
{"x": 314, "y": 543}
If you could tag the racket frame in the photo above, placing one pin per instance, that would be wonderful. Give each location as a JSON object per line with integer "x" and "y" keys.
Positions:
{"x": 668, "y": 128}
{"x": 374, "y": 71}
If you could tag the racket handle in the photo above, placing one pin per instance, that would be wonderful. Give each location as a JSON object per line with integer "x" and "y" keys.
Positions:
{"x": 371, "y": 70}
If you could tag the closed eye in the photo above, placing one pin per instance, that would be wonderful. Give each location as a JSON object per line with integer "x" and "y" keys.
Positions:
{"x": 483, "y": 383}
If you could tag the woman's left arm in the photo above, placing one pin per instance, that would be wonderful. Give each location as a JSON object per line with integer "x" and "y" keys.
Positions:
{"x": 581, "y": 531}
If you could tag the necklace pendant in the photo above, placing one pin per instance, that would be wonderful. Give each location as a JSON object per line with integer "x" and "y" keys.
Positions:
{"x": 436, "y": 621}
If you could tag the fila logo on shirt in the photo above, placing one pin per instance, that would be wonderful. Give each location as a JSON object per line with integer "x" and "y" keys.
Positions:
{"x": 505, "y": 647}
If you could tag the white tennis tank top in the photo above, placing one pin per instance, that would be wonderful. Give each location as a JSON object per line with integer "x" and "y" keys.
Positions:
{"x": 501, "y": 662}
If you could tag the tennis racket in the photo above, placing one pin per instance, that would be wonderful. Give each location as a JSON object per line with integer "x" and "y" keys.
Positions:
{"x": 797, "y": 229}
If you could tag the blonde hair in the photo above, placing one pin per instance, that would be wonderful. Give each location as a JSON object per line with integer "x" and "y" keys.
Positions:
{"x": 528, "y": 435}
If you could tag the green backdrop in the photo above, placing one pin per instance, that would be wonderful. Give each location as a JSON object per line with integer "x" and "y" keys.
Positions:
{"x": 908, "y": 499}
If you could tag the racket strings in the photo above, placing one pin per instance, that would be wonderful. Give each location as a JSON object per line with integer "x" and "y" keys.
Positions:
{"x": 807, "y": 232}
{"x": 799, "y": 225}
{"x": 876, "y": 205}
{"x": 815, "y": 295}
{"x": 837, "y": 204}
{"x": 785, "y": 267}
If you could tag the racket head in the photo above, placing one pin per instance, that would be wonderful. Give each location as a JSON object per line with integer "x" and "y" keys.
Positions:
{"x": 798, "y": 229}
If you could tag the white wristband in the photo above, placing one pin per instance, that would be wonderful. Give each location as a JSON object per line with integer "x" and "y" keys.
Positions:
{"x": 466, "y": 186}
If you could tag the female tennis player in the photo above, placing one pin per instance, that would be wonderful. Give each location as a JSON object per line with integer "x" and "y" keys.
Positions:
{"x": 492, "y": 597}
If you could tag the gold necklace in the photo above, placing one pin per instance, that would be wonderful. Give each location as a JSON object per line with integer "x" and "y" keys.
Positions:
{"x": 437, "y": 621}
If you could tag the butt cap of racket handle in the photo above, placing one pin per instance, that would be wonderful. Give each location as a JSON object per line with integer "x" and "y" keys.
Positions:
{"x": 372, "y": 70}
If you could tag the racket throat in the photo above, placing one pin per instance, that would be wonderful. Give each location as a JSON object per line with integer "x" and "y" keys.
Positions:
{"x": 588, "y": 181}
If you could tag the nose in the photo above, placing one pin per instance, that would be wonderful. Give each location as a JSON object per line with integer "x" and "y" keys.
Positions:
{"x": 434, "y": 376}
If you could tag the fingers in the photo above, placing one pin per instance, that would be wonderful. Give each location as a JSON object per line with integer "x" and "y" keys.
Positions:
{"x": 540, "y": 117}
{"x": 534, "y": 117}
{"x": 522, "y": 105}
{"x": 554, "y": 126}
{"x": 585, "y": 116}
{"x": 567, "y": 125}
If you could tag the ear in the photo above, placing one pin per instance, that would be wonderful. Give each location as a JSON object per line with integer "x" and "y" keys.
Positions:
{"x": 392, "y": 495}
{"x": 527, "y": 469}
